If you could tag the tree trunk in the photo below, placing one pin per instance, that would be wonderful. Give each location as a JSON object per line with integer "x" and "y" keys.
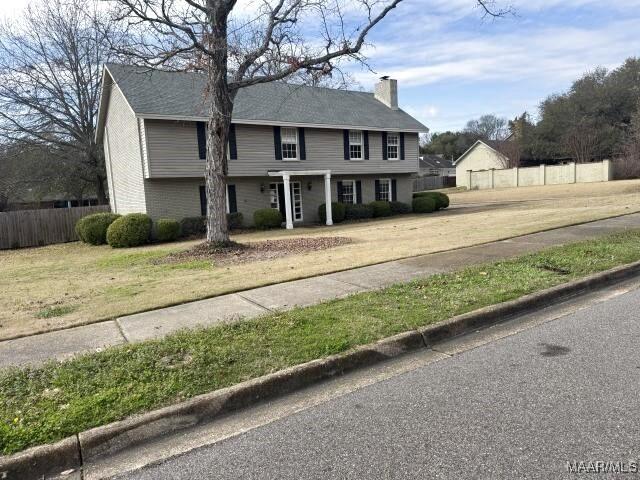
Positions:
{"x": 101, "y": 193}
{"x": 220, "y": 105}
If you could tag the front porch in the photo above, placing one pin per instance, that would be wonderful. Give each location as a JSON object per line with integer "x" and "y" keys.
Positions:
{"x": 286, "y": 176}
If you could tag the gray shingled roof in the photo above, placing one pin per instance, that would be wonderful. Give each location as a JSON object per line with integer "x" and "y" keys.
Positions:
{"x": 435, "y": 161}
{"x": 176, "y": 94}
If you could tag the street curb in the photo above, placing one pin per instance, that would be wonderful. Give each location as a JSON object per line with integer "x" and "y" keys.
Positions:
{"x": 501, "y": 312}
{"x": 39, "y": 461}
{"x": 72, "y": 452}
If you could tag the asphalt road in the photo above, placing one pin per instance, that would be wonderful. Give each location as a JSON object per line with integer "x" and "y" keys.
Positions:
{"x": 519, "y": 407}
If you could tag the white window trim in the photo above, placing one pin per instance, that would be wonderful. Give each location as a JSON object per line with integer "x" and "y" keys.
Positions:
{"x": 355, "y": 190}
{"x": 390, "y": 188}
{"x": 397, "y": 157}
{"x": 297, "y": 159}
{"x": 293, "y": 207}
{"x": 361, "y": 157}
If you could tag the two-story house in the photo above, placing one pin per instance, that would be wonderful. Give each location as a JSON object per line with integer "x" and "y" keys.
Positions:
{"x": 291, "y": 147}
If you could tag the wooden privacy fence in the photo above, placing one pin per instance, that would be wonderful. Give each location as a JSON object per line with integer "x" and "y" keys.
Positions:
{"x": 31, "y": 228}
{"x": 432, "y": 183}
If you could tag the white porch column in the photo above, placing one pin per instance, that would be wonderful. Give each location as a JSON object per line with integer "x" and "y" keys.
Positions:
{"x": 287, "y": 201}
{"x": 327, "y": 198}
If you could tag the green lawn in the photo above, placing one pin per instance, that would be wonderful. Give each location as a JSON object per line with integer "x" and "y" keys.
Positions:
{"x": 40, "y": 405}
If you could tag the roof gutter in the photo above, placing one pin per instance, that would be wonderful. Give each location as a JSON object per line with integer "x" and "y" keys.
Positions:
{"x": 193, "y": 118}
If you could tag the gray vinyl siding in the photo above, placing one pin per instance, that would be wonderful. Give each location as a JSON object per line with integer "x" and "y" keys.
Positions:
{"x": 173, "y": 149}
{"x": 179, "y": 198}
{"x": 173, "y": 152}
{"x": 123, "y": 157}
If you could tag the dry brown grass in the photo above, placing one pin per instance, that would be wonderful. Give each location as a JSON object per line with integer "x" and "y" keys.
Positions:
{"x": 94, "y": 283}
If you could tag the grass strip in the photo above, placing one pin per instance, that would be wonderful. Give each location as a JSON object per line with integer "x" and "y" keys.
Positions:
{"x": 44, "y": 404}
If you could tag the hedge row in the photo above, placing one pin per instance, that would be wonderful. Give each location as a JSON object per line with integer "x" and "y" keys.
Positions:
{"x": 137, "y": 228}
{"x": 423, "y": 202}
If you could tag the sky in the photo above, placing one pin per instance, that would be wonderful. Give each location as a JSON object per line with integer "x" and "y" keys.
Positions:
{"x": 453, "y": 65}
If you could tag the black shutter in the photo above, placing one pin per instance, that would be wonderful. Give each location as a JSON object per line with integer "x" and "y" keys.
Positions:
{"x": 233, "y": 204}
{"x": 358, "y": 191}
{"x": 201, "y": 128}
{"x": 233, "y": 147}
{"x": 345, "y": 136}
{"x": 303, "y": 147}
{"x": 203, "y": 200}
{"x": 385, "y": 153}
{"x": 365, "y": 136}
{"x": 339, "y": 191}
{"x": 377, "y": 190}
{"x": 394, "y": 194}
{"x": 401, "y": 145}
{"x": 277, "y": 142}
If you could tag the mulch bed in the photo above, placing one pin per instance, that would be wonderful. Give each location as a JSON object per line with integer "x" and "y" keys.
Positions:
{"x": 254, "y": 251}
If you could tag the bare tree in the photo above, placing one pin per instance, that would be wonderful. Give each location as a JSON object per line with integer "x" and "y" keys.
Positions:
{"x": 581, "y": 140}
{"x": 488, "y": 127}
{"x": 50, "y": 73}
{"x": 511, "y": 152}
{"x": 628, "y": 163}
{"x": 279, "y": 39}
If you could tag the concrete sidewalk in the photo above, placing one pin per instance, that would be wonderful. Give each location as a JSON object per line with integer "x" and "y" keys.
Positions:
{"x": 259, "y": 301}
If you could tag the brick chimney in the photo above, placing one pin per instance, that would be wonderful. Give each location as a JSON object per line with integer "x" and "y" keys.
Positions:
{"x": 387, "y": 92}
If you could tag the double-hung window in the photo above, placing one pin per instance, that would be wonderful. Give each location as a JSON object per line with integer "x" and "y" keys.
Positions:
{"x": 355, "y": 144}
{"x": 289, "y": 143}
{"x": 349, "y": 193}
{"x": 393, "y": 142}
{"x": 385, "y": 190}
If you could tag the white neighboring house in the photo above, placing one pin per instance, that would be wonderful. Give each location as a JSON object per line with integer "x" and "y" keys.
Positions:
{"x": 482, "y": 155}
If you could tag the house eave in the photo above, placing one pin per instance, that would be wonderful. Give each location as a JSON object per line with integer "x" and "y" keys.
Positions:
{"x": 151, "y": 116}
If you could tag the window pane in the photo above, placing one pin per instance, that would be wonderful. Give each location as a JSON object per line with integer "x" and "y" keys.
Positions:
{"x": 392, "y": 146}
{"x": 289, "y": 151}
{"x": 355, "y": 137}
{"x": 273, "y": 194}
{"x": 289, "y": 143}
{"x": 385, "y": 190}
{"x": 348, "y": 192}
{"x": 288, "y": 135}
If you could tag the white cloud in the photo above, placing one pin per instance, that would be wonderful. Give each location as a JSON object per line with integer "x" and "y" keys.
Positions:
{"x": 521, "y": 55}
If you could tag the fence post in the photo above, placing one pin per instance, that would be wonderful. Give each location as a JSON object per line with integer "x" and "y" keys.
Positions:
{"x": 543, "y": 174}
{"x": 606, "y": 170}
{"x": 516, "y": 176}
{"x": 469, "y": 178}
{"x": 493, "y": 178}
{"x": 574, "y": 172}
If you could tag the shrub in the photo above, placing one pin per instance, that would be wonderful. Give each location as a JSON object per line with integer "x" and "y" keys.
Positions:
{"x": 234, "y": 220}
{"x": 167, "y": 230}
{"x": 381, "y": 208}
{"x": 338, "y": 211}
{"x": 129, "y": 231}
{"x": 191, "y": 226}
{"x": 358, "y": 211}
{"x": 399, "y": 208}
{"x": 93, "y": 228}
{"x": 423, "y": 205}
{"x": 266, "y": 218}
{"x": 441, "y": 199}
